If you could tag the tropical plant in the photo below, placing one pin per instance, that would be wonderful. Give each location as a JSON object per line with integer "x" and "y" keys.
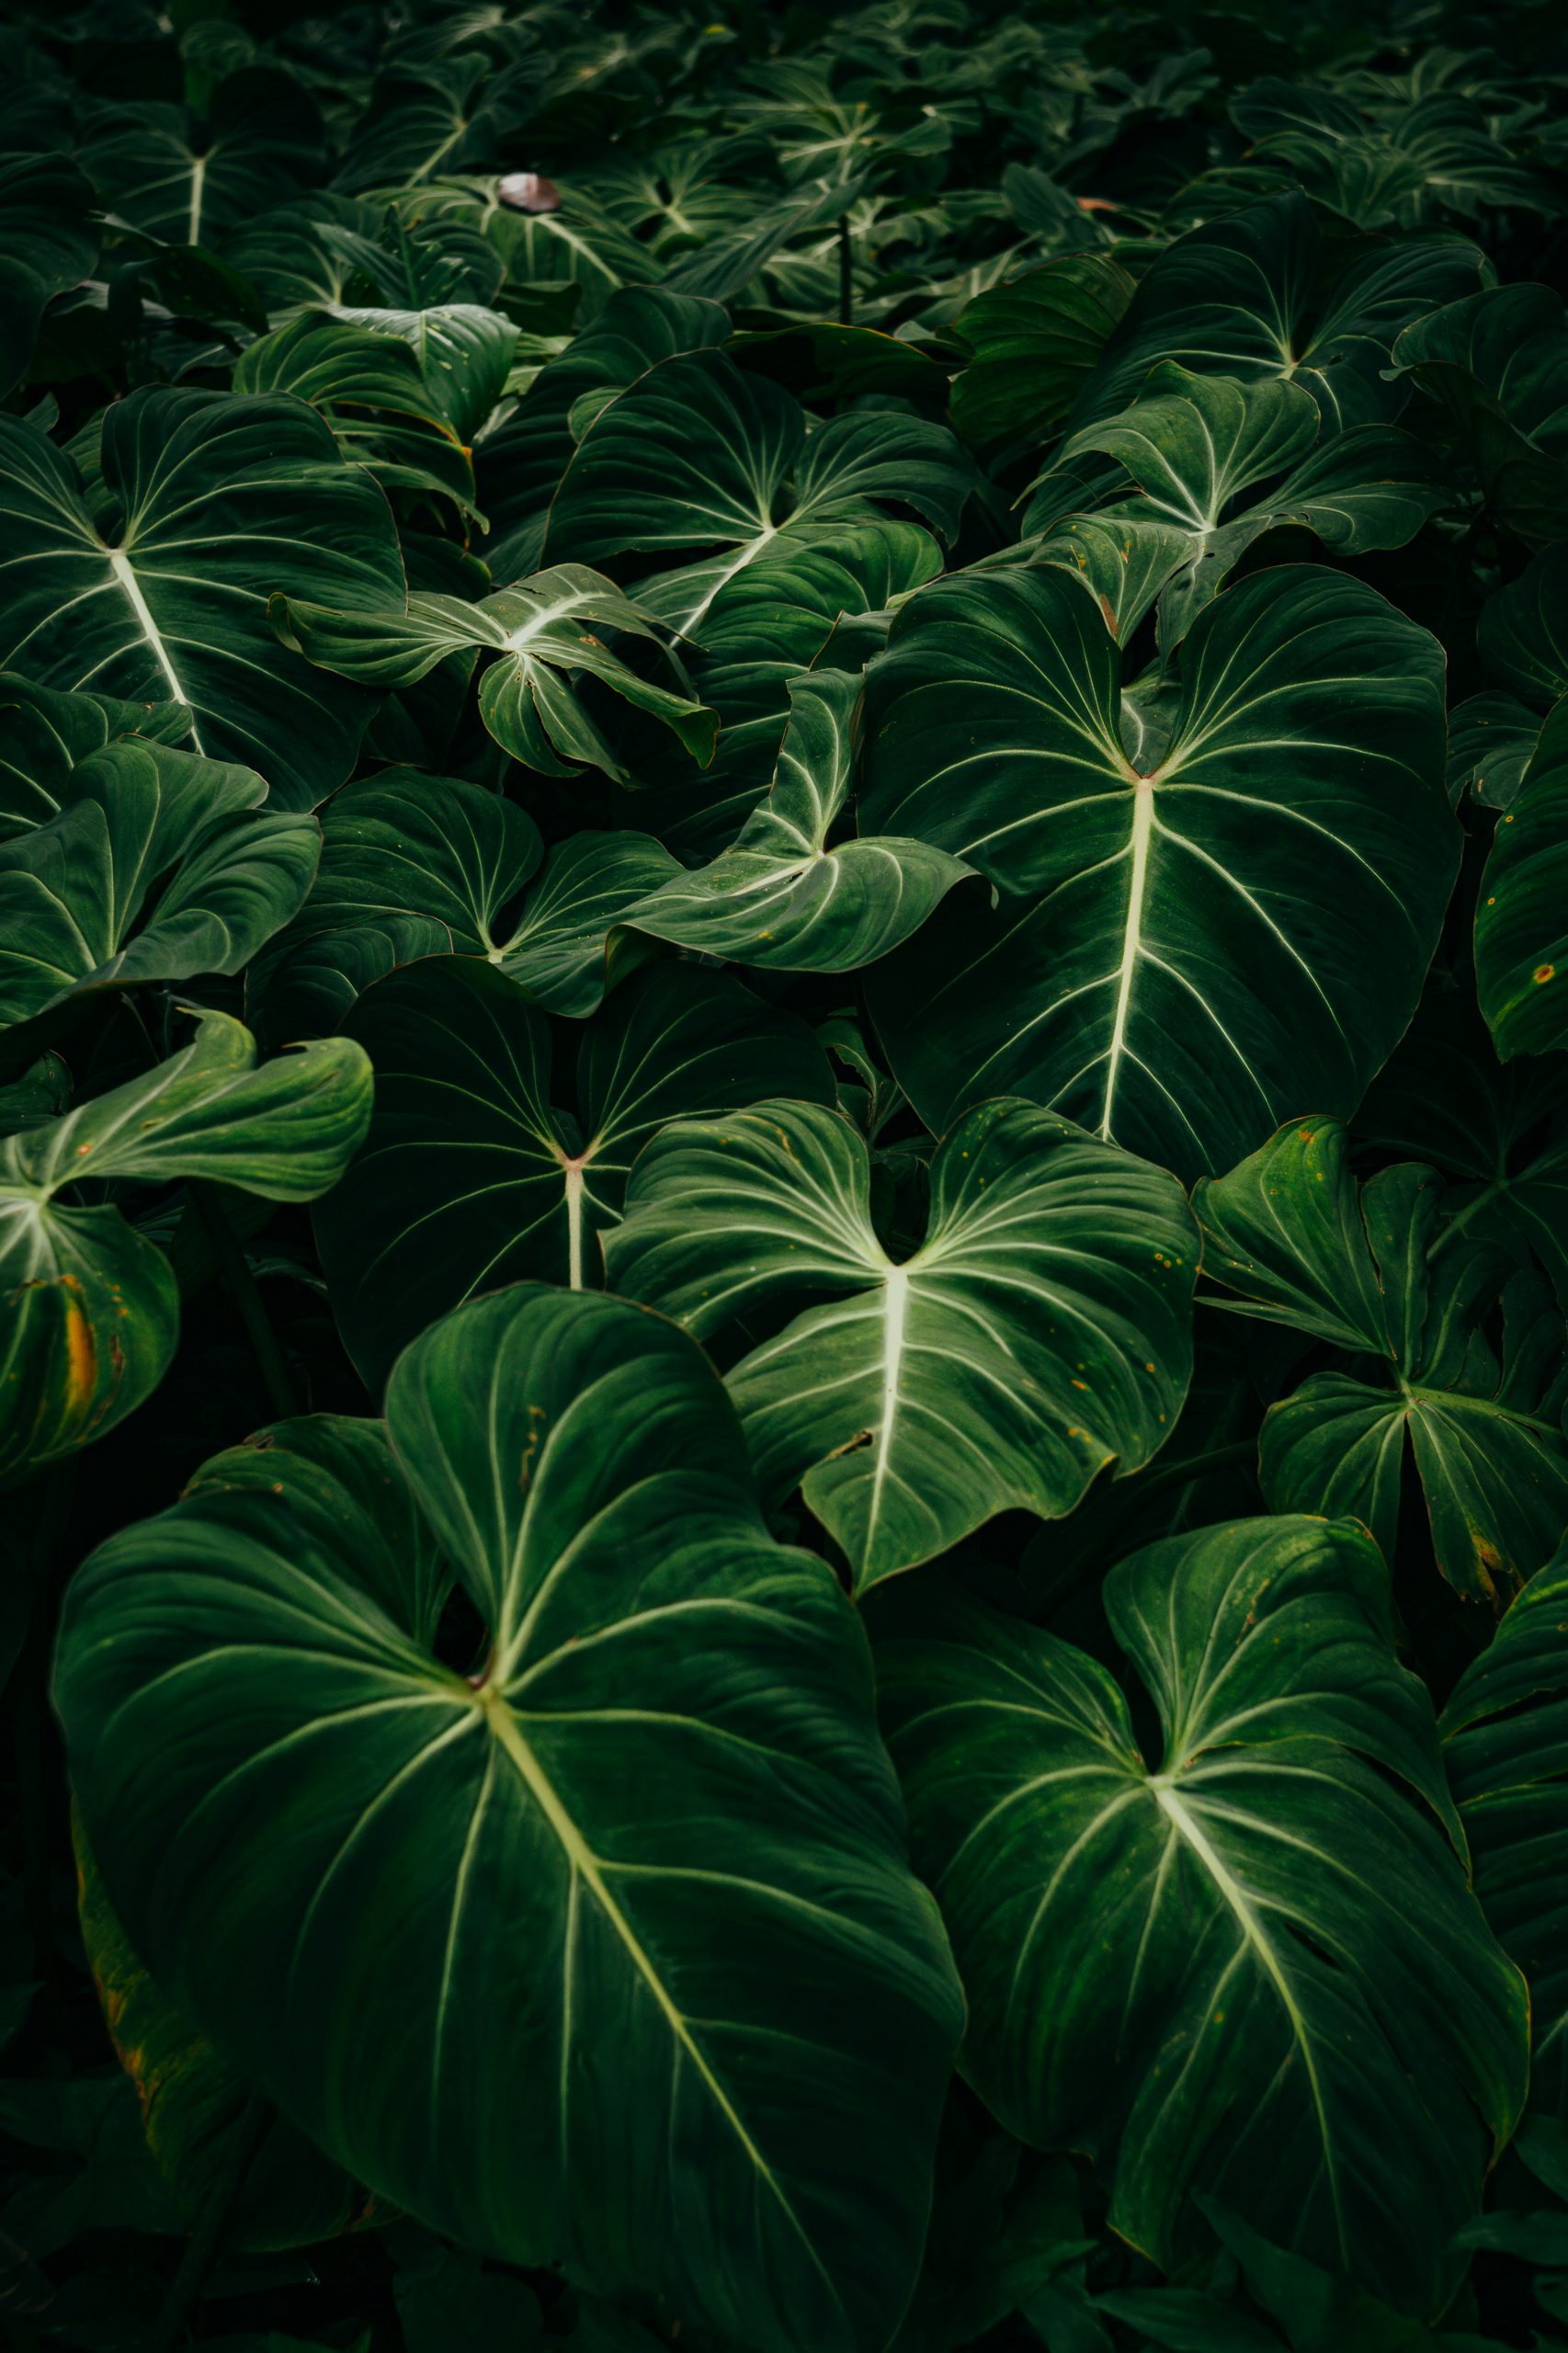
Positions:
{"x": 784, "y": 1177}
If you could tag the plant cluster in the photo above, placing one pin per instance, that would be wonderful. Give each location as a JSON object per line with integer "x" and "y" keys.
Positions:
{"x": 784, "y": 1177}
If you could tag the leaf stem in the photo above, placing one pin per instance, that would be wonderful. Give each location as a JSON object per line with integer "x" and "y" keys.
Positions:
{"x": 846, "y": 273}
{"x": 235, "y": 1268}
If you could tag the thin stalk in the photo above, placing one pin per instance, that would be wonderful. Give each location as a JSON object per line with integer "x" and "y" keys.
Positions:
{"x": 204, "y": 2241}
{"x": 240, "y": 1283}
{"x": 846, "y": 272}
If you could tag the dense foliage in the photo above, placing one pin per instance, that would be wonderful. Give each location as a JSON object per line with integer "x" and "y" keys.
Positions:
{"x": 784, "y": 1177}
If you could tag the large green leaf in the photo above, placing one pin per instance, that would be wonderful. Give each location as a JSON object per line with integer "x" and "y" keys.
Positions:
{"x": 89, "y": 1310}
{"x": 521, "y": 461}
{"x": 162, "y": 865}
{"x": 828, "y": 600}
{"x": 1290, "y": 1234}
{"x": 781, "y": 896}
{"x": 1521, "y": 922}
{"x": 46, "y": 736}
{"x": 1039, "y": 1333}
{"x": 1499, "y": 1136}
{"x": 452, "y": 860}
{"x": 543, "y": 633}
{"x": 1254, "y": 293}
{"x": 1245, "y": 1965}
{"x": 1503, "y": 1733}
{"x": 184, "y": 178}
{"x": 372, "y": 391}
{"x": 604, "y": 1954}
{"x": 470, "y": 1177}
{"x": 1191, "y": 449}
{"x": 1196, "y": 934}
{"x": 1496, "y": 363}
{"x": 698, "y": 454}
{"x": 1034, "y": 339}
{"x": 155, "y": 587}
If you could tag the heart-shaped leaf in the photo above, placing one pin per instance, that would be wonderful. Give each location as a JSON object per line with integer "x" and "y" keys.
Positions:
{"x": 1039, "y": 1333}
{"x": 161, "y": 865}
{"x": 89, "y": 1310}
{"x": 1194, "y": 935}
{"x": 470, "y": 1177}
{"x": 1371, "y": 1274}
{"x": 156, "y": 590}
{"x": 1249, "y": 1968}
{"x": 629, "y": 1901}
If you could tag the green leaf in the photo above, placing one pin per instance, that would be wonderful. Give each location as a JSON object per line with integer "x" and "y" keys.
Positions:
{"x": 1521, "y": 635}
{"x": 698, "y": 454}
{"x": 184, "y": 179}
{"x": 470, "y": 1177}
{"x": 1040, "y": 1333}
{"x": 543, "y": 631}
{"x": 1521, "y": 937}
{"x": 161, "y": 865}
{"x": 825, "y": 598}
{"x": 781, "y": 897}
{"x": 1253, "y": 1971}
{"x": 463, "y": 351}
{"x": 1034, "y": 338}
{"x": 605, "y": 1955}
{"x": 211, "y": 503}
{"x": 1288, "y": 1232}
{"x": 1495, "y": 363}
{"x": 444, "y": 863}
{"x": 89, "y": 1310}
{"x": 371, "y": 390}
{"x": 522, "y": 460}
{"x": 1253, "y": 294}
{"x": 1191, "y": 448}
{"x": 1190, "y": 940}
{"x": 1502, "y": 1743}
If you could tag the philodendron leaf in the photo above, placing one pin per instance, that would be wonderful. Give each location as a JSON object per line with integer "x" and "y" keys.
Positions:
{"x": 1494, "y": 362}
{"x": 1503, "y": 1733}
{"x": 1290, "y": 1234}
{"x": 156, "y": 588}
{"x": 46, "y": 737}
{"x": 1190, "y": 941}
{"x": 1034, "y": 339}
{"x": 89, "y": 1310}
{"x": 1041, "y": 1331}
{"x": 1253, "y": 294}
{"x": 472, "y": 1176}
{"x": 1197, "y": 452}
{"x": 371, "y": 390}
{"x": 698, "y": 454}
{"x": 605, "y": 1955}
{"x": 782, "y": 896}
{"x": 543, "y": 633}
{"x": 1250, "y": 1969}
{"x": 1521, "y": 921}
{"x": 161, "y": 866}
{"x": 404, "y": 848}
